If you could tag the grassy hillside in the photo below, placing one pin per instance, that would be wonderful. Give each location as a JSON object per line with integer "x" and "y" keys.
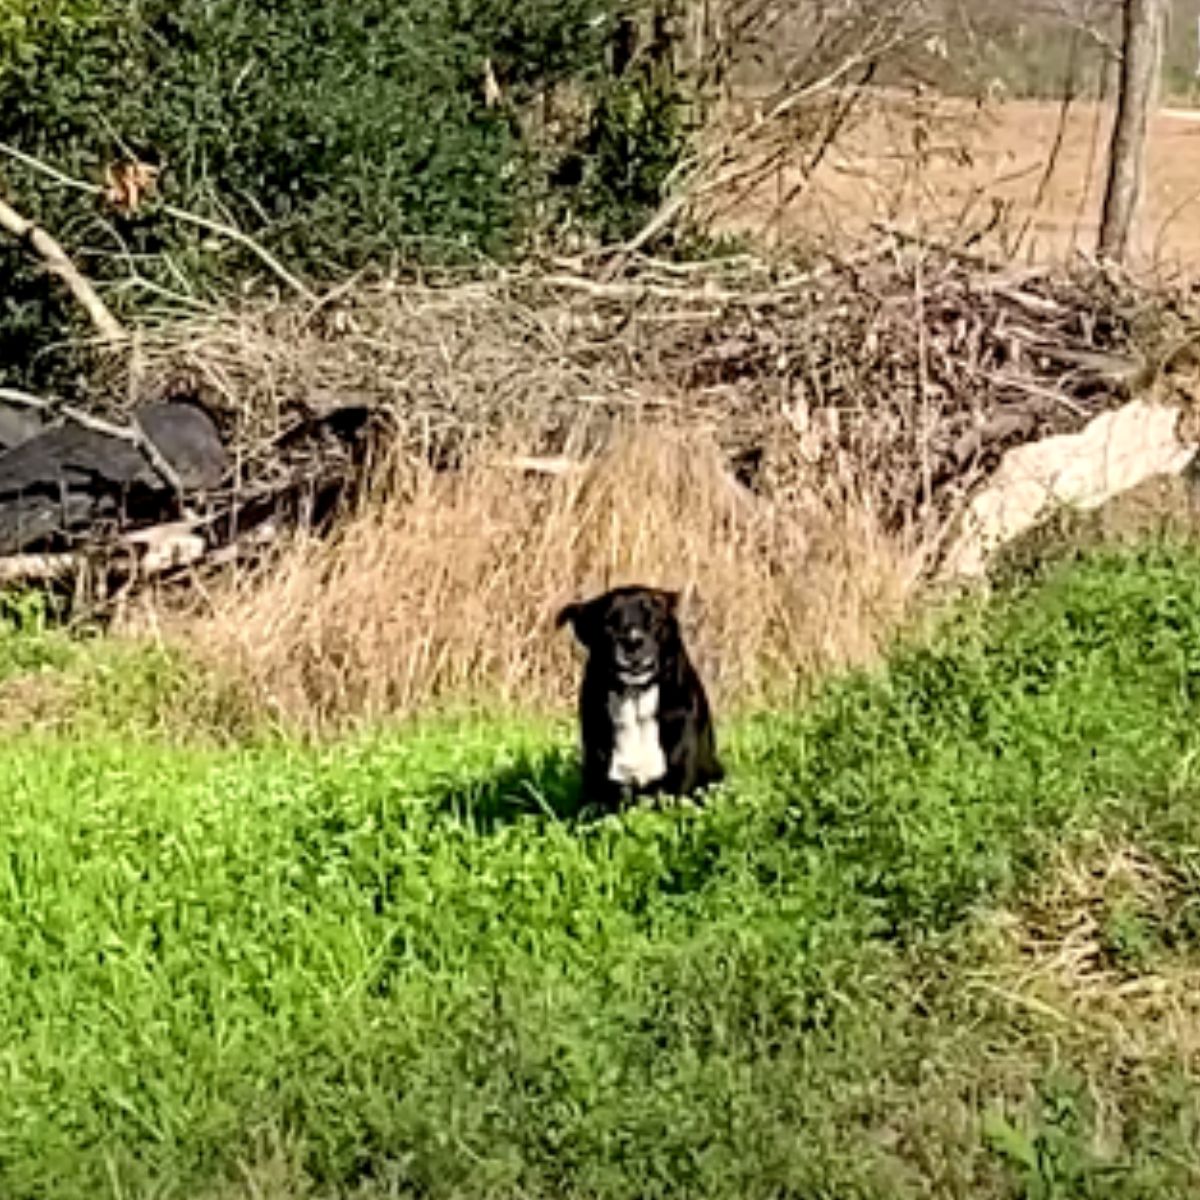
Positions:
{"x": 937, "y": 936}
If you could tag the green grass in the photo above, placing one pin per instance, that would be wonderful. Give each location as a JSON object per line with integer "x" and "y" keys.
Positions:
{"x": 402, "y": 965}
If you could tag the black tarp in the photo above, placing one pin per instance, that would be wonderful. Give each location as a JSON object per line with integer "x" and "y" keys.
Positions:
{"x": 60, "y": 479}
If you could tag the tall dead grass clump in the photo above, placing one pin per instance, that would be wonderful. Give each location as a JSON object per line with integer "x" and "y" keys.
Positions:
{"x": 445, "y": 585}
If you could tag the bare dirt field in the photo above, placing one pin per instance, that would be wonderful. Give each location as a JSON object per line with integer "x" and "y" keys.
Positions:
{"x": 1021, "y": 177}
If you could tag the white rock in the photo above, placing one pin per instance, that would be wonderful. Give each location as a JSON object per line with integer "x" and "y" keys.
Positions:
{"x": 1115, "y": 452}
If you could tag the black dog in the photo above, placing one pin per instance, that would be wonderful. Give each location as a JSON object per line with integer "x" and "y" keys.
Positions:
{"x": 644, "y": 715}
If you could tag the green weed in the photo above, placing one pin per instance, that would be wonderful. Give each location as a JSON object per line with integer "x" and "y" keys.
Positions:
{"x": 407, "y": 965}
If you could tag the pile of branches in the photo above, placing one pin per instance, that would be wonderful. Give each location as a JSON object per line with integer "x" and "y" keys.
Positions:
{"x": 899, "y": 374}
{"x": 905, "y": 370}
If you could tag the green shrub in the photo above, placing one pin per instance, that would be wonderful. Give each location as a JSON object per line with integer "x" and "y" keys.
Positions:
{"x": 336, "y": 134}
{"x": 633, "y": 145}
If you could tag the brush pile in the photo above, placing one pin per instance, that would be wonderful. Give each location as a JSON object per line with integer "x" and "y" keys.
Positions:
{"x": 905, "y": 370}
{"x": 900, "y": 374}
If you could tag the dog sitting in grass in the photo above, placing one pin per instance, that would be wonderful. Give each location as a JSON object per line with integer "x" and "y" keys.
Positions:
{"x": 645, "y": 719}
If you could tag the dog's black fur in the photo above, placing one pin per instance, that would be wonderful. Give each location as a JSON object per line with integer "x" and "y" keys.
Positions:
{"x": 634, "y": 646}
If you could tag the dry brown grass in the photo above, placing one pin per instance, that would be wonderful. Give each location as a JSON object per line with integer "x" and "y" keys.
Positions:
{"x": 787, "y": 445}
{"x": 445, "y": 585}
{"x": 788, "y": 442}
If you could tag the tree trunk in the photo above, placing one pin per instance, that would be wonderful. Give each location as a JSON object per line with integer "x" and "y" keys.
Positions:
{"x": 1140, "y": 64}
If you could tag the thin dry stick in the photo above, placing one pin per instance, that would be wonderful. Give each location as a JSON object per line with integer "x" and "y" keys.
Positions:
{"x": 16, "y": 396}
{"x": 923, "y": 376}
{"x": 1064, "y": 114}
{"x": 58, "y": 263}
{"x": 244, "y": 239}
{"x": 180, "y": 214}
{"x": 832, "y": 129}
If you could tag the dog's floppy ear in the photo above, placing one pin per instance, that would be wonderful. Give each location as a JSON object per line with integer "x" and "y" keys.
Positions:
{"x": 669, "y": 602}
{"x": 579, "y": 617}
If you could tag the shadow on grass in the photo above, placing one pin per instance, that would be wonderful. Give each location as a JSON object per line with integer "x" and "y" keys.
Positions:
{"x": 546, "y": 784}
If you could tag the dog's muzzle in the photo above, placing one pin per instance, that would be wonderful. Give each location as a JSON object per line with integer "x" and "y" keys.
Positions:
{"x": 635, "y": 657}
{"x": 635, "y": 670}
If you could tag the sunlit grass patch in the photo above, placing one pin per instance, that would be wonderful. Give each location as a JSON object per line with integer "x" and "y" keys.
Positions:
{"x": 406, "y": 962}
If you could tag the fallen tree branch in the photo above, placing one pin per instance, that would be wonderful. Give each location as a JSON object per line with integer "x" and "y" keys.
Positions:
{"x": 164, "y": 547}
{"x": 155, "y": 551}
{"x": 38, "y": 568}
{"x": 58, "y": 263}
{"x": 540, "y": 465}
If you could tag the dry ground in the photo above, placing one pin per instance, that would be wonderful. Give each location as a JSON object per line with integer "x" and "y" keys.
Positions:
{"x": 1025, "y": 172}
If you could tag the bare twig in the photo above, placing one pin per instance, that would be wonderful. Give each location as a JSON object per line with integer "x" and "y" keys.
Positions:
{"x": 28, "y": 399}
{"x": 219, "y": 228}
{"x": 727, "y": 162}
{"x": 243, "y": 239}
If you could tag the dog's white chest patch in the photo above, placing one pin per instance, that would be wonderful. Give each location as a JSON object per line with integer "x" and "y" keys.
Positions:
{"x": 637, "y": 756}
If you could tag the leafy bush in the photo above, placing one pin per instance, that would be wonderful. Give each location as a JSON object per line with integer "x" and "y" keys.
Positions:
{"x": 337, "y": 134}
{"x": 633, "y": 145}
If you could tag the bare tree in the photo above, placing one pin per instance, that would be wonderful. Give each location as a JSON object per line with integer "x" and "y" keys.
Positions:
{"x": 1141, "y": 61}
{"x": 815, "y": 58}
